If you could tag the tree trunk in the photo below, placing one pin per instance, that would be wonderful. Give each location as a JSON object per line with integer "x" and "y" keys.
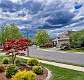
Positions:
{"x": 27, "y": 51}
{"x": 13, "y": 58}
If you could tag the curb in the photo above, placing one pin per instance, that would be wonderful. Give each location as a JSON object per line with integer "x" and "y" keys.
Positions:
{"x": 49, "y": 74}
{"x": 72, "y": 67}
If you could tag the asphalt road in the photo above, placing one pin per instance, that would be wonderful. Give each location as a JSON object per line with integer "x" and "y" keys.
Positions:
{"x": 74, "y": 58}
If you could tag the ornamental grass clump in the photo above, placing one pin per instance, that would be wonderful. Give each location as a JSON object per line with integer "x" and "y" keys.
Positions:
{"x": 24, "y": 75}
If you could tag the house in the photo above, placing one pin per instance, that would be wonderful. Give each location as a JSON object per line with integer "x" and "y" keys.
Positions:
{"x": 63, "y": 38}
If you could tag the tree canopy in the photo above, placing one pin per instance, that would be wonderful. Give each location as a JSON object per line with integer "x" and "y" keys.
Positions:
{"x": 9, "y": 32}
{"x": 41, "y": 37}
{"x": 14, "y": 46}
{"x": 77, "y": 39}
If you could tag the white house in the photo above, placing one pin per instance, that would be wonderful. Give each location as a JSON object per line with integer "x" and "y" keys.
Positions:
{"x": 63, "y": 38}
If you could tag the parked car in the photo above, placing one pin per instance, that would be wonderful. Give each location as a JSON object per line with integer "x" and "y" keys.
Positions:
{"x": 65, "y": 47}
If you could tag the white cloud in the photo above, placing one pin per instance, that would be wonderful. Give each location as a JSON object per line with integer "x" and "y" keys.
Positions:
{"x": 15, "y": 1}
{"x": 69, "y": 4}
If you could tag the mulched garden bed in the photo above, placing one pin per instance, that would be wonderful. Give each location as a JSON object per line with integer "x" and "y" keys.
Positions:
{"x": 3, "y": 77}
{"x": 43, "y": 77}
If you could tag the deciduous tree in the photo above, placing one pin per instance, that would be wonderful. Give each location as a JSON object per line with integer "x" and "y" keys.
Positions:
{"x": 77, "y": 39}
{"x": 14, "y": 46}
{"x": 9, "y": 32}
{"x": 41, "y": 38}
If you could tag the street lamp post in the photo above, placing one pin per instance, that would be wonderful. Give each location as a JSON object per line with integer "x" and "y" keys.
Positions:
{"x": 2, "y": 35}
{"x": 26, "y": 28}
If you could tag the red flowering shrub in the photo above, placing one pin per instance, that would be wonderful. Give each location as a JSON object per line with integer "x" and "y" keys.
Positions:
{"x": 47, "y": 45}
{"x": 19, "y": 44}
{"x": 14, "y": 46}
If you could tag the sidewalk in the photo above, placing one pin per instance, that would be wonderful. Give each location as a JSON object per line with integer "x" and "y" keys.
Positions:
{"x": 77, "y": 68}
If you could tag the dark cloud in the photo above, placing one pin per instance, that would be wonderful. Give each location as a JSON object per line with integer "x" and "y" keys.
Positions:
{"x": 42, "y": 15}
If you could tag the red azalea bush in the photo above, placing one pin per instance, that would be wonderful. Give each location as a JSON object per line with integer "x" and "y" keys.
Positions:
{"x": 14, "y": 46}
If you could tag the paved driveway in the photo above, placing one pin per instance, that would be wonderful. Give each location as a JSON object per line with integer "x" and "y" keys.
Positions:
{"x": 57, "y": 56}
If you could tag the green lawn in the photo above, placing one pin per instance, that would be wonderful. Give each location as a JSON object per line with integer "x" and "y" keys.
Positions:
{"x": 75, "y": 50}
{"x": 64, "y": 74}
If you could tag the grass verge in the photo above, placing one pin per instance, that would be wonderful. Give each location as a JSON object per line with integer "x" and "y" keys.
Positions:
{"x": 64, "y": 74}
{"x": 75, "y": 50}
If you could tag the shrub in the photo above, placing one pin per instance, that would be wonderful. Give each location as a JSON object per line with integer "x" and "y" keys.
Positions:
{"x": 23, "y": 60}
{"x": 48, "y": 45}
{"x": 2, "y": 69}
{"x": 5, "y": 61}
{"x": 32, "y": 62}
{"x": 24, "y": 75}
{"x": 18, "y": 62}
{"x": 38, "y": 70}
{"x": 11, "y": 70}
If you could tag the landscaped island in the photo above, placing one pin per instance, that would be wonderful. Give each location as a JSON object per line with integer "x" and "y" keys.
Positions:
{"x": 22, "y": 69}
